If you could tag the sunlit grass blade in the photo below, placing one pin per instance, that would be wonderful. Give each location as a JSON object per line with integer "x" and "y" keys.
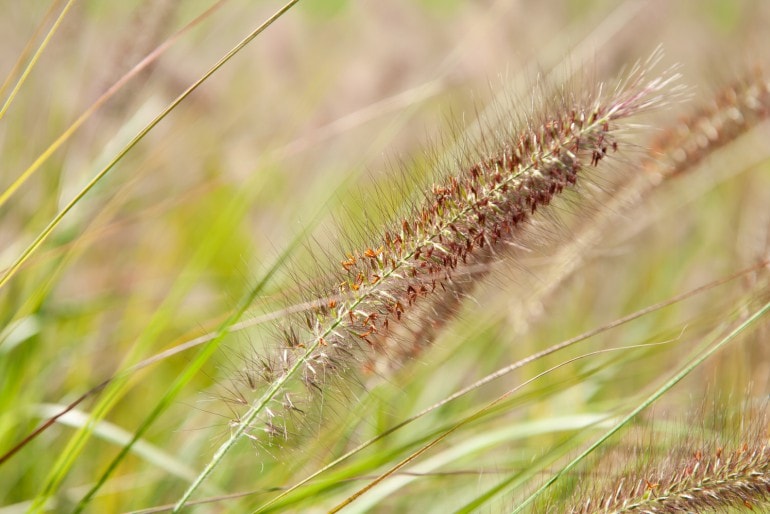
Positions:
{"x": 194, "y": 367}
{"x": 116, "y": 435}
{"x": 503, "y": 372}
{"x": 11, "y": 271}
{"x": 163, "y": 315}
{"x": 28, "y": 47}
{"x": 473, "y": 417}
{"x": 43, "y": 44}
{"x": 111, "y": 91}
{"x": 678, "y": 377}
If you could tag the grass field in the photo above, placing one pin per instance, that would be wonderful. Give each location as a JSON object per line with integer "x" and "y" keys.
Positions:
{"x": 196, "y": 273}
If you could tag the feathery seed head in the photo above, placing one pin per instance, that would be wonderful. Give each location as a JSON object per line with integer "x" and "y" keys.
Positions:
{"x": 464, "y": 219}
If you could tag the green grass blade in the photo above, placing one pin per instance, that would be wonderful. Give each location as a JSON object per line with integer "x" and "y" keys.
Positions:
{"x": 33, "y": 61}
{"x": 192, "y": 369}
{"x": 649, "y": 401}
{"x": 162, "y": 316}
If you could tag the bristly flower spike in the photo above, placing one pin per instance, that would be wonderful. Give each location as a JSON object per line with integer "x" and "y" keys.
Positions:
{"x": 466, "y": 216}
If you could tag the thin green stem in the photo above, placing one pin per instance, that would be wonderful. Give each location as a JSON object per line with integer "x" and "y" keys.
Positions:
{"x": 11, "y": 271}
{"x": 508, "y": 369}
{"x": 28, "y": 47}
{"x": 646, "y": 403}
{"x": 205, "y": 353}
{"x": 35, "y": 58}
{"x": 477, "y": 415}
{"x": 117, "y": 86}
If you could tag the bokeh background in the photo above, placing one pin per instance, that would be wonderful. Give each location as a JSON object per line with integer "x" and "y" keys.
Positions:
{"x": 328, "y": 110}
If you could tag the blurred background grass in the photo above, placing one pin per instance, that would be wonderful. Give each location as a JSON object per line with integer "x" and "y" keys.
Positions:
{"x": 315, "y": 113}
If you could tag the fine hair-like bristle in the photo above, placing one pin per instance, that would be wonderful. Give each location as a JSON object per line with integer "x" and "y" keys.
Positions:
{"x": 466, "y": 216}
{"x": 731, "y": 112}
{"x": 706, "y": 481}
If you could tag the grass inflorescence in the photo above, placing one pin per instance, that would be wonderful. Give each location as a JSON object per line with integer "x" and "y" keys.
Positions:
{"x": 699, "y": 473}
{"x": 705, "y": 482}
{"x": 421, "y": 356}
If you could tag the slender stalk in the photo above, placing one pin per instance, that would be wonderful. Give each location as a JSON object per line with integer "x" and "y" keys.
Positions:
{"x": 111, "y": 91}
{"x": 29, "y": 46}
{"x": 11, "y": 271}
{"x": 462, "y": 222}
{"x": 757, "y": 315}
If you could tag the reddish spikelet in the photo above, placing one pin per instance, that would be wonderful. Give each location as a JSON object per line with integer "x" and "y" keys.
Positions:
{"x": 677, "y": 149}
{"x": 732, "y": 112}
{"x": 465, "y": 217}
{"x": 701, "y": 483}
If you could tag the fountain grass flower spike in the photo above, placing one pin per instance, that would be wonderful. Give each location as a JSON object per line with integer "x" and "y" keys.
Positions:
{"x": 468, "y": 215}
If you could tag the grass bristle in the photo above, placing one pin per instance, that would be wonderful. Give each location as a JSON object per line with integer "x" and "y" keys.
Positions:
{"x": 235, "y": 270}
{"x": 698, "y": 474}
{"x": 467, "y": 217}
{"x": 733, "y": 111}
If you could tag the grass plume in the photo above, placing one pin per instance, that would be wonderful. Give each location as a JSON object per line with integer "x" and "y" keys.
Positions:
{"x": 465, "y": 219}
{"x": 705, "y": 482}
{"x": 417, "y": 352}
{"x": 728, "y": 469}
